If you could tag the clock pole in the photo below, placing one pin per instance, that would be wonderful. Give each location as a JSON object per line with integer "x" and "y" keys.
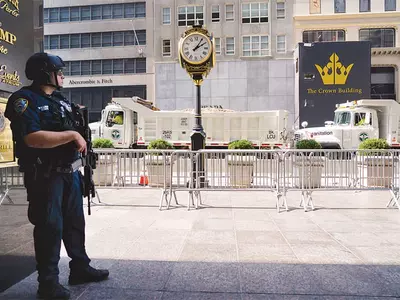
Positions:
{"x": 198, "y": 135}
{"x": 197, "y": 70}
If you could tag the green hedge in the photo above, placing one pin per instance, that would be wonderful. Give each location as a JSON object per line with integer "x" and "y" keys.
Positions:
{"x": 160, "y": 144}
{"x": 240, "y": 144}
{"x": 375, "y": 144}
{"x": 102, "y": 143}
{"x": 308, "y": 144}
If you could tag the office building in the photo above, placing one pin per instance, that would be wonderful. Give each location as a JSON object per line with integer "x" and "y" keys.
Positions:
{"x": 107, "y": 46}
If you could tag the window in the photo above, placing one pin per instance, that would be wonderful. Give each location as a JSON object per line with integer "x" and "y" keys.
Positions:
{"x": 390, "y": 5}
{"x": 217, "y": 45}
{"x": 280, "y": 10}
{"x": 140, "y": 65}
{"x": 54, "y": 15}
{"x": 379, "y": 37}
{"x": 215, "y": 13}
{"x": 118, "y": 11}
{"x": 85, "y": 13}
{"x": 166, "y": 16}
{"x": 383, "y": 83}
{"x": 107, "y": 12}
{"x": 230, "y": 46}
{"x": 118, "y": 38}
{"x": 95, "y": 12}
{"x": 340, "y": 6}
{"x": 64, "y": 41}
{"x": 96, "y": 67}
{"x": 54, "y": 42}
{"x": 188, "y": 15}
{"x": 129, "y": 66}
{"x": 85, "y": 40}
{"x": 342, "y": 118}
{"x": 118, "y": 66}
{"x": 255, "y": 13}
{"x": 115, "y": 117}
{"x": 64, "y": 14}
{"x": 74, "y": 14}
{"x": 85, "y": 67}
{"x": 281, "y": 44}
{"x": 166, "y": 48}
{"x": 229, "y": 12}
{"x": 45, "y": 16}
{"x": 106, "y": 39}
{"x": 75, "y": 68}
{"x": 98, "y": 39}
{"x": 313, "y": 36}
{"x": 365, "y": 5}
{"x": 255, "y": 45}
{"x": 106, "y": 66}
{"x": 129, "y": 10}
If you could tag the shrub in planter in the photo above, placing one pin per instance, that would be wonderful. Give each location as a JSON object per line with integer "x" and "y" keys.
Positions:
{"x": 158, "y": 165}
{"x": 308, "y": 167}
{"x": 240, "y": 165}
{"x": 379, "y": 162}
{"x": 102, "y": 175}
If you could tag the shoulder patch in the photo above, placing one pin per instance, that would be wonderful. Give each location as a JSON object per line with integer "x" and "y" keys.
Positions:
{"x": 20, "y": 105}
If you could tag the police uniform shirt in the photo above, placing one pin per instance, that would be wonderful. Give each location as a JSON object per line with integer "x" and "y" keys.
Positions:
{"x": 31, "y": 110}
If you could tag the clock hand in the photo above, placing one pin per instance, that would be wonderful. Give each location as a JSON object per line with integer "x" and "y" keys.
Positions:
{"x": 203, "y": 44}
{"x": 197, "y": 47}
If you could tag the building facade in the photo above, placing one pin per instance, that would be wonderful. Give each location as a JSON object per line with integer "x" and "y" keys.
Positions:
{"x": 376, "y": 21}
{"x": 107, "y": 47}
{"x": 254, "y": 53}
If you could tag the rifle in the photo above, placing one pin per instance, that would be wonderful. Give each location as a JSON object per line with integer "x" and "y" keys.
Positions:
{"x": 89, "y": 160}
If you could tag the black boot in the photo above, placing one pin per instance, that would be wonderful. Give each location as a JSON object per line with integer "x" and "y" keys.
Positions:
{"x": 89, "y": 274}
{"x": 52, "y": 291}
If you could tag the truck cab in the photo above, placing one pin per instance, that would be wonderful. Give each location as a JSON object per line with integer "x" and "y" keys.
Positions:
{"x": 117, "y": 124}
{"x": 351, "y": 125}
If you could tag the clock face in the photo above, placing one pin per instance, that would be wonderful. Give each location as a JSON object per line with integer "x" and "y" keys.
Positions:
{"x": 196, "y": 48}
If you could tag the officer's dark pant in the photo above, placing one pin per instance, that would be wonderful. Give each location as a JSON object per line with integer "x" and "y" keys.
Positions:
{"x": 56, "y": 210}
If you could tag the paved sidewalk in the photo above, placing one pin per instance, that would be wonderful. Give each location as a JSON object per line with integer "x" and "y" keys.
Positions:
{"x": 238, "y": 247}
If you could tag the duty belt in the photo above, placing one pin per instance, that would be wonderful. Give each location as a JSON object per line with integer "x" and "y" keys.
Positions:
{"x": 71, "y": 168}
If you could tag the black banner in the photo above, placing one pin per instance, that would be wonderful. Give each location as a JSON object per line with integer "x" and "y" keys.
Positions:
{"x": 16, "y": 42}
{"x": 331, "y": 73}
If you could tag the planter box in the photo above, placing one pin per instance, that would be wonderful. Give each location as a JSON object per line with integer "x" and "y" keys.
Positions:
{"x": 158, "y": 170}
{"x": 105, "y": 170}
{"x": 380, "y": 171}
{"x": 308, "y": 171}
{"x": 240, "y": 170}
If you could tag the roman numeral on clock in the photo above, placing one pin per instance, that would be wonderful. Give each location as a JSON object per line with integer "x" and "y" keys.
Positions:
{"x": 187, "y": 53}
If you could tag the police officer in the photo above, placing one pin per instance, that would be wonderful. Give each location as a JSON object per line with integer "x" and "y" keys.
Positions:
{"x": 47, "y": 146}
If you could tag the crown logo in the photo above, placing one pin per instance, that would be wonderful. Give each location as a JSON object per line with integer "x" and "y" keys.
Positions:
{"x": 334, "y": 72}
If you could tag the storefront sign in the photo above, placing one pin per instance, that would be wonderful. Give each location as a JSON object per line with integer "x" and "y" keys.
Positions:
{"x": 10, "y": 6}
{"x": 90, "y": 81}
{"x": 17, "y": 41}
{"x": 6, "y": 142}
{"x": 7, "y": 37}
{"x": 9, "y": 78}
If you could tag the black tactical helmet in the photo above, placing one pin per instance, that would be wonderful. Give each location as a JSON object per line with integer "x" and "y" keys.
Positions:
{"x": 40, "y": 66}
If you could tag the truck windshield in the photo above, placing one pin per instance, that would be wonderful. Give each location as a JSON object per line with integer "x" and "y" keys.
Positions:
{"x": 342, "y": 118}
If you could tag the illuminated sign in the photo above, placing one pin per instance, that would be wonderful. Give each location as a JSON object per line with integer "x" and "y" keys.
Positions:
{"x": 17, "y": 40}
{"x": 6, "y": 142}
{"x": 7, "y": 37}
{"x": 9, "y": 78}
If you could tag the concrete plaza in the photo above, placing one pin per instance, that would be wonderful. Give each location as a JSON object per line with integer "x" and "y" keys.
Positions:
{"x": 236, "y": 246}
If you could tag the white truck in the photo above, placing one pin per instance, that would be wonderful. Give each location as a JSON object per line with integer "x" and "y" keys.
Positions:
{"x": 134, "y": 123}
{"x": 355, "y": 122}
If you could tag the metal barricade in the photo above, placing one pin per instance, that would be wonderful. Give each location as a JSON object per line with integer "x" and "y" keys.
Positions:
{"x": 135, "y": 169}
{"x": 327, "y": 170}
{"x": 10, "y": 177}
